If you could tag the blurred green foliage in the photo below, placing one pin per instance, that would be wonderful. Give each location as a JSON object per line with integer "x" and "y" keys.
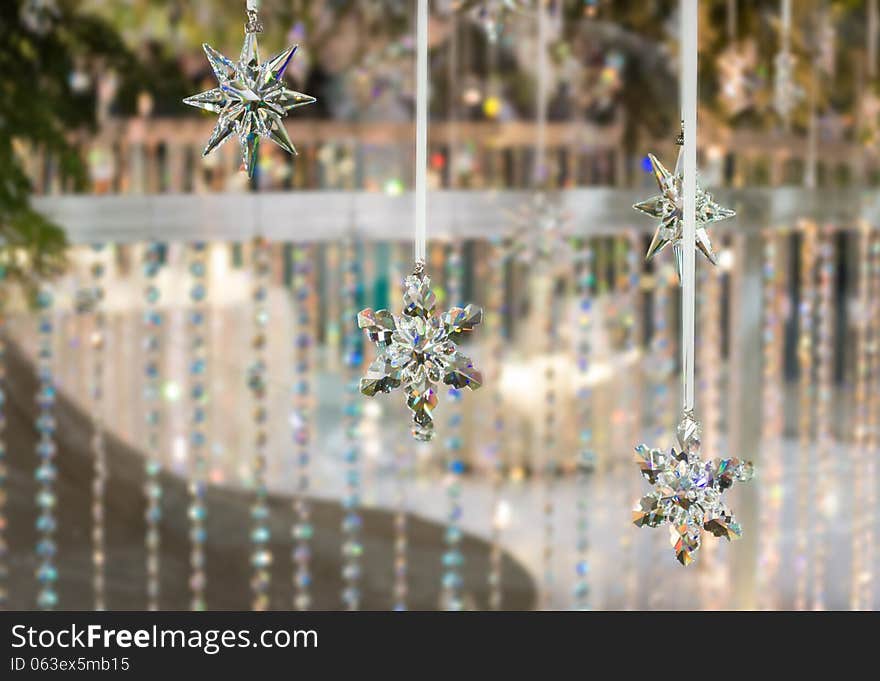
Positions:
{"x": 42, "y": 110}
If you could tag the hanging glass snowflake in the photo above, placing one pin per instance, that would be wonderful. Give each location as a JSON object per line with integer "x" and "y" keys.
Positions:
{"x": 668, "y": 207}
{"x": 251, "y": 99}
{"x": 418, "y": 349}
{"x": 39, "y": 15}
{"x": 787, "y": 94}
{"x": 539, "y": 237}
{"x": 736, "y": 76}
{"x": 489, "y": 14}
{"x": 687, "y": 492}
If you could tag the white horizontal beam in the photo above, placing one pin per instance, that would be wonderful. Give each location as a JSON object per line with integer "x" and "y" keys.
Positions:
{"x": 329, "y": 215}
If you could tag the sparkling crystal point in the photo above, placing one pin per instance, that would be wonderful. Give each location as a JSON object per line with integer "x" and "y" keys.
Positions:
{"x": 685, "y": 543}
{"x": 277, "y": 65}
{"x": 213, "y": 100}
{"x": 688, "y": 434}
{"x": 224, "y": 68}
{"x": 418, "y": 298}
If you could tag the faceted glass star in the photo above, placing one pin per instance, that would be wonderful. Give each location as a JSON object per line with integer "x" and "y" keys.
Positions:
{"x": 668, "y": 207}
{"x": 417, "y": 350}
{"x": 251, "y": 100}
{"x": 687, "y": 493}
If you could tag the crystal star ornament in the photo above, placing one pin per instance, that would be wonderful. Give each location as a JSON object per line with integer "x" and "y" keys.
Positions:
{"x": 251, "y": 100}
{"x": 417, "y": 350}
{"x": 687, "y": 492}
{"x": 668, "y": 207}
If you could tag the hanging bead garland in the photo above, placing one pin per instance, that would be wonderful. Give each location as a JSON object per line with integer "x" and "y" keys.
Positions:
{"x": 805, "y": 412}
{"x": 548, "y": 455}
{"x": 787, "y": 94}
{"x": 302, "y": 420}
{"x": 352, "y": 549}
{"x": 453, "y": 559}
{"x": 198, "y": 369}
{"x": 863, "y": 587}
{"x": 860, "y": 416}
{"x": 403, "y": 465}
{"x": 870, "y": 534}
{"x": 769, "y": 561}
{"x": 399, "y": 590}
{"x": 99, "y": 452}
{"x": 661, "y": 359}
{"x": 709, "y": 298}
{"x": 626, "y": 259}
{"x": 713, "y": 574}
{"x": 261, "y": 554}
{"x": 586, "y": 459}
{"x": 152, "y": 324}
{"x": 47, "y": 573}
{"x": 823, "y": 465}
{"x": 4, "y": 470}
{"x": 497, "y": 259}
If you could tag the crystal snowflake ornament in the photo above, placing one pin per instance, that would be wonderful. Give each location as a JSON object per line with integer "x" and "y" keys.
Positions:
{"x": 687, "y": 492}
{"x": 736, "y": 76}
{"x": 540, "y": 226}
{"x": 787, "y": 94}
{"x": 251, "y": 99}
{"x": 668, "y": 207}
{"x": 489, "y": 14}
{"x": 417, "y": 350}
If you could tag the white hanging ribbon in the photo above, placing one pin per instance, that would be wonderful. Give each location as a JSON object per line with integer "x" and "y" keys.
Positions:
{"x": 731, "y": 20}
{"x": 873, "y": 21}
{"x": 539, "y": 169}
{"x": 786, "y": 26}
{"x": 689, "y": 151}
{"x": 421, "y": 198}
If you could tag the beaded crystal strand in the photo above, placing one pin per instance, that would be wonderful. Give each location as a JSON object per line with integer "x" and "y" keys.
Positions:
{"x": 47, "y": 573}
{"x": 152, "y": 324}
{"x": 302, "y": 421}
{"x": 4, "y": 471}
{"x": 772, "y": 427}
{"x": 806, "y": 408}
{"x": 495, "y": 449}
{"x": 824, "y": 406}
{"x": 585, "y": 456}
{"x": 453, "y": 559}
{"x": 198, "y": 370}
{"x": 261, "y": 553}
{"x": 99, "y": 450}
{"x": 352, "y": 549}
